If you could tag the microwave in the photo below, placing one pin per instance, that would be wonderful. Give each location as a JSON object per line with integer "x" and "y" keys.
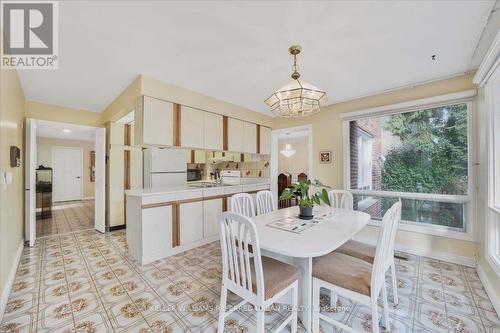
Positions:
{"x": 194, "y": 174}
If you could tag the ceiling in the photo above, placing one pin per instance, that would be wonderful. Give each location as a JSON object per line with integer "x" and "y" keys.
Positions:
{"x": 237, "y": 51}
{"x": 51, "y": 129}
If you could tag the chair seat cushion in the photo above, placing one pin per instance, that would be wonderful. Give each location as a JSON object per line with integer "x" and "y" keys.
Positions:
{"x": 277, "y": 276}
{"x": 344, "y": 271}
{"x": 358, "y": 250}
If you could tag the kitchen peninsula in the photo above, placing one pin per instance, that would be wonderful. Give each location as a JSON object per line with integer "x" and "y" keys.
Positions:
{"x": 164, "y": 221}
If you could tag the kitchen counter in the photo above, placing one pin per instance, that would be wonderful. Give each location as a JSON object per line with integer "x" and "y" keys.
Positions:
{"x": 190, "y": 187}
{"x": 165, "y": 221}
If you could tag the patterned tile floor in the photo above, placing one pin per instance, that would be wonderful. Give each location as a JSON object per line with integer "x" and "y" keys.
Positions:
{"x": 85, "y": 282}
{"x": 67, "y": 217}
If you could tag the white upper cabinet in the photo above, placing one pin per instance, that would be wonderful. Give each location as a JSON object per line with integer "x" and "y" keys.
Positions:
{"x": 192, "y": 127}
{"x": 235, "y": 134}
{"x": 249, "y": 137}
{"x": 265, "y": 140}
{"x": 213, "y": 131}
{"x": 157, "y": 122}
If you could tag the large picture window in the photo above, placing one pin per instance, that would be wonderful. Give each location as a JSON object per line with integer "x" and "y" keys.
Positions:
{"x": 420, "y": 157}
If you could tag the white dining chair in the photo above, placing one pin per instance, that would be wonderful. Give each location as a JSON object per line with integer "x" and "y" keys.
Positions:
{"x": 341, "y": 199}
{"x": 242, "y": 203}
{"x": 367, "y": 252}
{"x": 356, "y": 279}
{"x": 265, "y": 202}
{"x": 260, "y": 281}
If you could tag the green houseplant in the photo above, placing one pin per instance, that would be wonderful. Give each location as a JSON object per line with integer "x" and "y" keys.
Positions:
{"x": 307, "y": 200}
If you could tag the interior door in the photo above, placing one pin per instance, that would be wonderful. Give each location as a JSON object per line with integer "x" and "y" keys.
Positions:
{"x": 68, "y": 173}
{"x": 100, "y": 179}
{"x": 30, "y": 187}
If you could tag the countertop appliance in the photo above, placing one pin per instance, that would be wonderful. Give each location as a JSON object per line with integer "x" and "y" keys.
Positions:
{"x": 230, "y": 177}
{"x": 164, "y": 167}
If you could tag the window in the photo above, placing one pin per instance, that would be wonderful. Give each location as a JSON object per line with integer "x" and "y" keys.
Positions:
{"x": 417, "y": 155}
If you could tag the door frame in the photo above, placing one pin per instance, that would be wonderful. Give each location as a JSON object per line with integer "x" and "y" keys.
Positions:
{"x": 275, "y": 151}
{"x": 80, "y": 149}
{"x": 31, "y": 125}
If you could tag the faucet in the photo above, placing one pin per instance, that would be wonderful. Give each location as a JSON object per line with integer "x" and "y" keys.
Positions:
{"x": 218, "y": 179}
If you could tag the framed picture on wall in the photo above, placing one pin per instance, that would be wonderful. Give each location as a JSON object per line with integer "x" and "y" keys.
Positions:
{"x": 325, "y": 156}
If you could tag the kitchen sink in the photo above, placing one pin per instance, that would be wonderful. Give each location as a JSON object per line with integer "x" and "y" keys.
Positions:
{"x": 204, "y": 185}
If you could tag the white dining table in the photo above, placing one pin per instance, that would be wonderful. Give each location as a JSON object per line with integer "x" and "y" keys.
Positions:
{"x": 299, "y": 249}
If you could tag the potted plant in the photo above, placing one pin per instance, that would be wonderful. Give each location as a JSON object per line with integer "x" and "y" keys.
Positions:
{"x": 306, "y": 201}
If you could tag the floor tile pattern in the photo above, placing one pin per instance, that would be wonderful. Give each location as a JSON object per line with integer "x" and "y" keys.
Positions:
{"x": 86, "y": 282}
{"x": 67, "y": 217}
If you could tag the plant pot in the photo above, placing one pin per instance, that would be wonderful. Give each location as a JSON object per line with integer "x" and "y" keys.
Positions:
{"x": 306, "y": 213}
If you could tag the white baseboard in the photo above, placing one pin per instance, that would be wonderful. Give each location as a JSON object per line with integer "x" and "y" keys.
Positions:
{"x": 430, "y": 253}
{"x": 489, "y": 288}
{"x": 10, "y": 280}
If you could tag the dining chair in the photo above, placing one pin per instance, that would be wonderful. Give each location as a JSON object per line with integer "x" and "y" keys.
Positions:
{"x": 265, "y": 202}
{"x": 355, "y": 278}
{"x": 259, "y": 280}
{"x": 366, "y": 252}
{"x": 242, "y": 203}
{"x": 340, "y": 199}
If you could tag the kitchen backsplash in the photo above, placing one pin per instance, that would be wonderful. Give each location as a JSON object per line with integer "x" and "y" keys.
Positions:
{"x": 252, "y": 169}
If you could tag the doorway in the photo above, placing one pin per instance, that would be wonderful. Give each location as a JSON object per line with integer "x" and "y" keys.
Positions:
{"x": 65, "y": 173}
{"x": 291, "y": 158}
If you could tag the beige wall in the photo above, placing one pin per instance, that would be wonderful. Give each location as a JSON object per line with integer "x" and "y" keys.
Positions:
{"x": 327, "y": 135}
{"x": 482, "y": 206}
{"x": 11, "y": 198}
{"x": 296, "y": 163}
{"x": 62, "y": 114}
{"x": 44, "y": 156}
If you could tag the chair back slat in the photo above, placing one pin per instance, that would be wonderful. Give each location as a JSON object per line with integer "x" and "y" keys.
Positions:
{"x": 237, "y": 233}
{"x": 385, "y": 245}
{"x": 341, "y": 199}
{"x": 242, "y": 203}
{"x": 265, "y": 202}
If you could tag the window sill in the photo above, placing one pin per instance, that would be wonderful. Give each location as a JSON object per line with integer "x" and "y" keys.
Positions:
{"x": 431, "y": 230}
{"x": 366, "y": 203}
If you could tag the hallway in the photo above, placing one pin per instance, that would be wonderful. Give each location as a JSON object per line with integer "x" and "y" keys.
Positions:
{"x": 67, "y": 217}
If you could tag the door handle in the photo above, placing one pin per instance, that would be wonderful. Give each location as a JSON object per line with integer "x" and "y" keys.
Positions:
{"x": 78, "y": 177}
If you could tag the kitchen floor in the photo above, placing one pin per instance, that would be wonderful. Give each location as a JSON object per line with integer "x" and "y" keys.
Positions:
{"x": 67, "y": 217}
{"x": 86, "y": 282}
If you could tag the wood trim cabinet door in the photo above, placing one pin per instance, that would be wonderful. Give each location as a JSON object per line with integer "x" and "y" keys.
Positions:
{"x": 235, "y": 135}
{"x": 212, "y": 212}
{"x": 265, "y": 140}
{"x": 191, "y": 222}
{"x": 249, "y": 137}
{"x": 213, "y": 131}
{"x": 157, "y": 122}
{"x": 192, "y": 127}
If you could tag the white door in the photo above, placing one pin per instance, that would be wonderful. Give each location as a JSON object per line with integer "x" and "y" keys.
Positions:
{"x": 30, "y": 190}
{"x": 100, "y": 179}
{"x": 67, "y": 164}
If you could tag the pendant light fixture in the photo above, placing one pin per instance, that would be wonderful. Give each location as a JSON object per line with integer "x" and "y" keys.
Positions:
{"x": 288, "y": 151}
{"x": 297, "y": 98}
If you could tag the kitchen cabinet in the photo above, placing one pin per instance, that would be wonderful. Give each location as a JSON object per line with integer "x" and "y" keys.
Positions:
{"x": 249, "y": 137}
{"x": 212, "y": 211}
{"x": 192, "y": 127}
{"x": 196, "y": 156}
{"x": 213, "y": 132}
{"x": 191, "y": 222}
{"x": 265, "y": 140}
{"x": 156, "y": 121}
{"x": 235, "y": 135}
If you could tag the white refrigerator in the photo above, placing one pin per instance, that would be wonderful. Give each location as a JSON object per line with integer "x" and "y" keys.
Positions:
{"x": 164, "y": 167}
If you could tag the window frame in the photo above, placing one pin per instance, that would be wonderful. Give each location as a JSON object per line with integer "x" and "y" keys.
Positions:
{"x": 492, "y": 215}
{"x": 465, "y": 97}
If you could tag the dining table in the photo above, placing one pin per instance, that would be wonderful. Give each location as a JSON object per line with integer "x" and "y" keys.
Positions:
{"x": 327, "y": 231}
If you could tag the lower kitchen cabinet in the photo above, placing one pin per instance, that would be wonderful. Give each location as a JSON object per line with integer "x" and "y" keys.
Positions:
{"x": 212, "y": 212}
{"x": 191, "y": 222}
